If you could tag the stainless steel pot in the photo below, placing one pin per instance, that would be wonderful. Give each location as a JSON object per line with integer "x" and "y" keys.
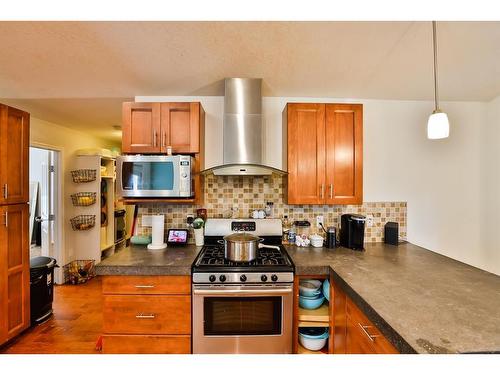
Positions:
{"x": 242, "y": 246}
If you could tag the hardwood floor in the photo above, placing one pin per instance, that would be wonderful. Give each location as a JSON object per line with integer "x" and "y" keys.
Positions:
{"x": 73, "y": 329}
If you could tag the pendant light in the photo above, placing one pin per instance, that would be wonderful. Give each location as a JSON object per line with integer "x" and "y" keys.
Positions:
{"x": 438, "y": 125}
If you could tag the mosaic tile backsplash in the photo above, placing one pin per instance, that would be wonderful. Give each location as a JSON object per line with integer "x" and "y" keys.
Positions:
{"x": 238, "y": 196}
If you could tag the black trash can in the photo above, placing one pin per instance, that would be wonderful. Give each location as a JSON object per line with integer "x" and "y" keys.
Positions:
{"x": 41, "y": 288}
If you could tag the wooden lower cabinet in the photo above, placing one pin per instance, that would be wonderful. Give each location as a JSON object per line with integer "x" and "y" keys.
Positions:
{"x": 147, "y": 314}
{"x": 146, "y": 344}
{"x": 354, "y": 333}
{"x": 14, "y": 271}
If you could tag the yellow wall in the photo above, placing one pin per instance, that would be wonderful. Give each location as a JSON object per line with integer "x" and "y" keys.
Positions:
{"x": 67, "y": 141}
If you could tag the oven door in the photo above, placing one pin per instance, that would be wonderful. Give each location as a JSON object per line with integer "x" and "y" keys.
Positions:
{"x": 148, "y": 176}
{"x": 242, "y": 318}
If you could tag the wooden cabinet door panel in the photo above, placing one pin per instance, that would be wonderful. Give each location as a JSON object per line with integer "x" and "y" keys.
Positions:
{"x": 141, "y": 128}
{"x": 180, "y": 126}
{"x": 14, "y": 146}
{"x": 153, "y": 314}
{"x": 146, "y": 285}
{"x": 146, "y": 344}
{"x": 356, "y": 343}
{"x": 14, "y": 282}
{"x": 344, "y": 154}
{"x": 306, "y": 153}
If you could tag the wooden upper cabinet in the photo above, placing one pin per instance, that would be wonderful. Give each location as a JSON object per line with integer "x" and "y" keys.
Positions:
{"x": 14, "y": 146}
{"x": 141, "y": 128}
{"x": 153, "y": 127}
{"x": 306, "y": 153}
{"x": 324, "y": 145}
{"x": 344, "y": 153}
{"x": 180, "y": 126}
{"x": 14, "y": 271}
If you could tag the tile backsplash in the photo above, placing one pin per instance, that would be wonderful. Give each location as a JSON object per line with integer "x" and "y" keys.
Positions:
{"x": 238, "y": 196}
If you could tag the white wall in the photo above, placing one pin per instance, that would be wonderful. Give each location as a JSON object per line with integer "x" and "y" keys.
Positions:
{"x": 68, "y": 141}
{"x": 440, "y": 179}
{"x": 490, "y": 188}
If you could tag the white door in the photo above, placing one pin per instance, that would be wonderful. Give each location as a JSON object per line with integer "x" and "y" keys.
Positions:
{"x": 47, "y": 204}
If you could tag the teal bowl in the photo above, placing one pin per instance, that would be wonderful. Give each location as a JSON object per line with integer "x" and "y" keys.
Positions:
{"x": 326, "y": 289}
{"x": 311, "y": 304}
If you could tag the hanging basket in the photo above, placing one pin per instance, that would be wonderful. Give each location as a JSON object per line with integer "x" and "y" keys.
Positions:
{"x": 83, "y": 199}
{"x": 83, "y": 222}
{"x": 84, "y": 175}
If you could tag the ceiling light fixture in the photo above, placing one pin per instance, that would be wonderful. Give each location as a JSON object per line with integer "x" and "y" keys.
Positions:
{"x": 438, "y": 125}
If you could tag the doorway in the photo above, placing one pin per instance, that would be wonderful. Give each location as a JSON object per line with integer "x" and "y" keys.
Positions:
{"x": 45, "y": 212}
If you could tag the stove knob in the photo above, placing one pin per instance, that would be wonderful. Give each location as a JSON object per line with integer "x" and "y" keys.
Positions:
{"x": 222, "y": 278}
{"x": 263, "y": 278}
{"x": 274, "y": 278}
{"x": 211, "y": 278}
{"x": 243, "y": 278}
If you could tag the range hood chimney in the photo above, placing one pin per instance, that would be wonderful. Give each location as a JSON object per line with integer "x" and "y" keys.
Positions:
{"x": 242, "y": 143}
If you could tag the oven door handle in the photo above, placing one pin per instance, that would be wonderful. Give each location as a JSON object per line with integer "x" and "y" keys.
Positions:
{"x": 258, "y": 292}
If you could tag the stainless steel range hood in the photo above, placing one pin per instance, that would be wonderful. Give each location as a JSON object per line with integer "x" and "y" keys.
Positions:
{"x": 242, "y": 134}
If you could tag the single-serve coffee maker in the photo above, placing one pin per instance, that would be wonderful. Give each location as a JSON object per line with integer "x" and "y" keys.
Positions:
{"x": 352, "y": 231}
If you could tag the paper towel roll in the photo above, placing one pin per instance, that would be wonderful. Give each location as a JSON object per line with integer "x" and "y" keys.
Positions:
{"x": 158, "y": 227}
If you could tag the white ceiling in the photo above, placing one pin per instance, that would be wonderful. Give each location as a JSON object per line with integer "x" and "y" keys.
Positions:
{"x": 78, "y": 73}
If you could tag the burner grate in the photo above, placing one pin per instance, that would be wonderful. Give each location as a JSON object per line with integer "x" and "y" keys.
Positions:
{"x": 214, "y": 256}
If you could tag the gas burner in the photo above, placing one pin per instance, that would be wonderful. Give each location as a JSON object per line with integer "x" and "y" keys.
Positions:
{"x": 272, "y": 265}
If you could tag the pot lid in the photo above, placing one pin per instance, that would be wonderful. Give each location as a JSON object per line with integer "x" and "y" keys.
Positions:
{"x": 241, "y": 237}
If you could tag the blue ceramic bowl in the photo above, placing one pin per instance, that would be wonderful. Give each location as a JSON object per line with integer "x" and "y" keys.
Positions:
{"x": 311, "y": 304}
{"x": 326, "y": 289}
{"x": 310, "y": 288}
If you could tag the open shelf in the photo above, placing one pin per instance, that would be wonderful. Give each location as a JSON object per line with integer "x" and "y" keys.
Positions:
{"x": 319, "y": 317}
{"x": 302, "y": 350}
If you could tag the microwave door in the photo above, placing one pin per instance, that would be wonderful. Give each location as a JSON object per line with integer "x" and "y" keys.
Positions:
{"x": 150, "y": 178}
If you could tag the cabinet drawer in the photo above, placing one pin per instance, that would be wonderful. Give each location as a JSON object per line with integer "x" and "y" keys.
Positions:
{"x": 167, "y": 315}
{"x": 146, "y": 344}
{"x": 146, "y": 285}
{"x": 365, "y": 329}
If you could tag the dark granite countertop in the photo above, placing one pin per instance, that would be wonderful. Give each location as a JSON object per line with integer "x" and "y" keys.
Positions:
{"x": 138, "y": 260}
{"x": 422, "y": 301}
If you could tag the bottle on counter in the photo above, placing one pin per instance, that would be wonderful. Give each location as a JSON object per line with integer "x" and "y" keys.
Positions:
{"x": 291, "y": 235}
{"x": 286, "y": 228}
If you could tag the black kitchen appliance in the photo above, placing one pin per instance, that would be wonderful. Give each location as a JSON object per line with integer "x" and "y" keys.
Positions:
{"x": 41, "y": 288}
{"x": 391, "y": 233}
{"x": 352, "y": 231}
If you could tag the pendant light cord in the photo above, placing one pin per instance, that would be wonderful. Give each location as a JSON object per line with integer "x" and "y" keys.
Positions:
{"x": 434, "y": 42}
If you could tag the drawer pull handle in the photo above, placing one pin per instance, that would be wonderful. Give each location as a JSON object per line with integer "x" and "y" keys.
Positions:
{"x": 145, "y": 316}
{"x": 144, "y": 286}
{"x": 365, "y": 330}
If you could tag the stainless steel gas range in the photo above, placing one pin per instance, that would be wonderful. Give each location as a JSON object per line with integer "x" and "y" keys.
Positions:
{"x": 242, "y": 307}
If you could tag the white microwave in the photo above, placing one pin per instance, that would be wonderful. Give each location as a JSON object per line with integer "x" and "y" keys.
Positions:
{"x": 154, "y": 176}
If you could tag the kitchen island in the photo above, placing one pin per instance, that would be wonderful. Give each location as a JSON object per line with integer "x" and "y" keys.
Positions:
{"x": 421, "y": 301}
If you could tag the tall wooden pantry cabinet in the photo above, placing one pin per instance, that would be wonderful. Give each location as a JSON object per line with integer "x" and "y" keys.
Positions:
{"x": 14, "y": 222}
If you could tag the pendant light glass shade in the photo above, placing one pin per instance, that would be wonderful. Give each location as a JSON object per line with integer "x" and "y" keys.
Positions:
{"x": 438, "y": 125}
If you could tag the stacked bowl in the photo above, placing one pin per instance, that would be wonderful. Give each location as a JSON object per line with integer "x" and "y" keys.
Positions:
{"x": 313, "y": 338}
{"x": 310, "y": 294}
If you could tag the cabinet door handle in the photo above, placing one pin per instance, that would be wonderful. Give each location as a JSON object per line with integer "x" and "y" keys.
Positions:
{"x": 165, "y": 139}
{"x": 144, "y": 286}
{"x": 6, "y": 219}
{"x": 156, "y": 139}
{"x": 365, "y": 330}
{"x": 145, "y": 316}
{"x": 322, "y": 191}
{"x": 331, "y": 191}
{"x": 5, "y": 191}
